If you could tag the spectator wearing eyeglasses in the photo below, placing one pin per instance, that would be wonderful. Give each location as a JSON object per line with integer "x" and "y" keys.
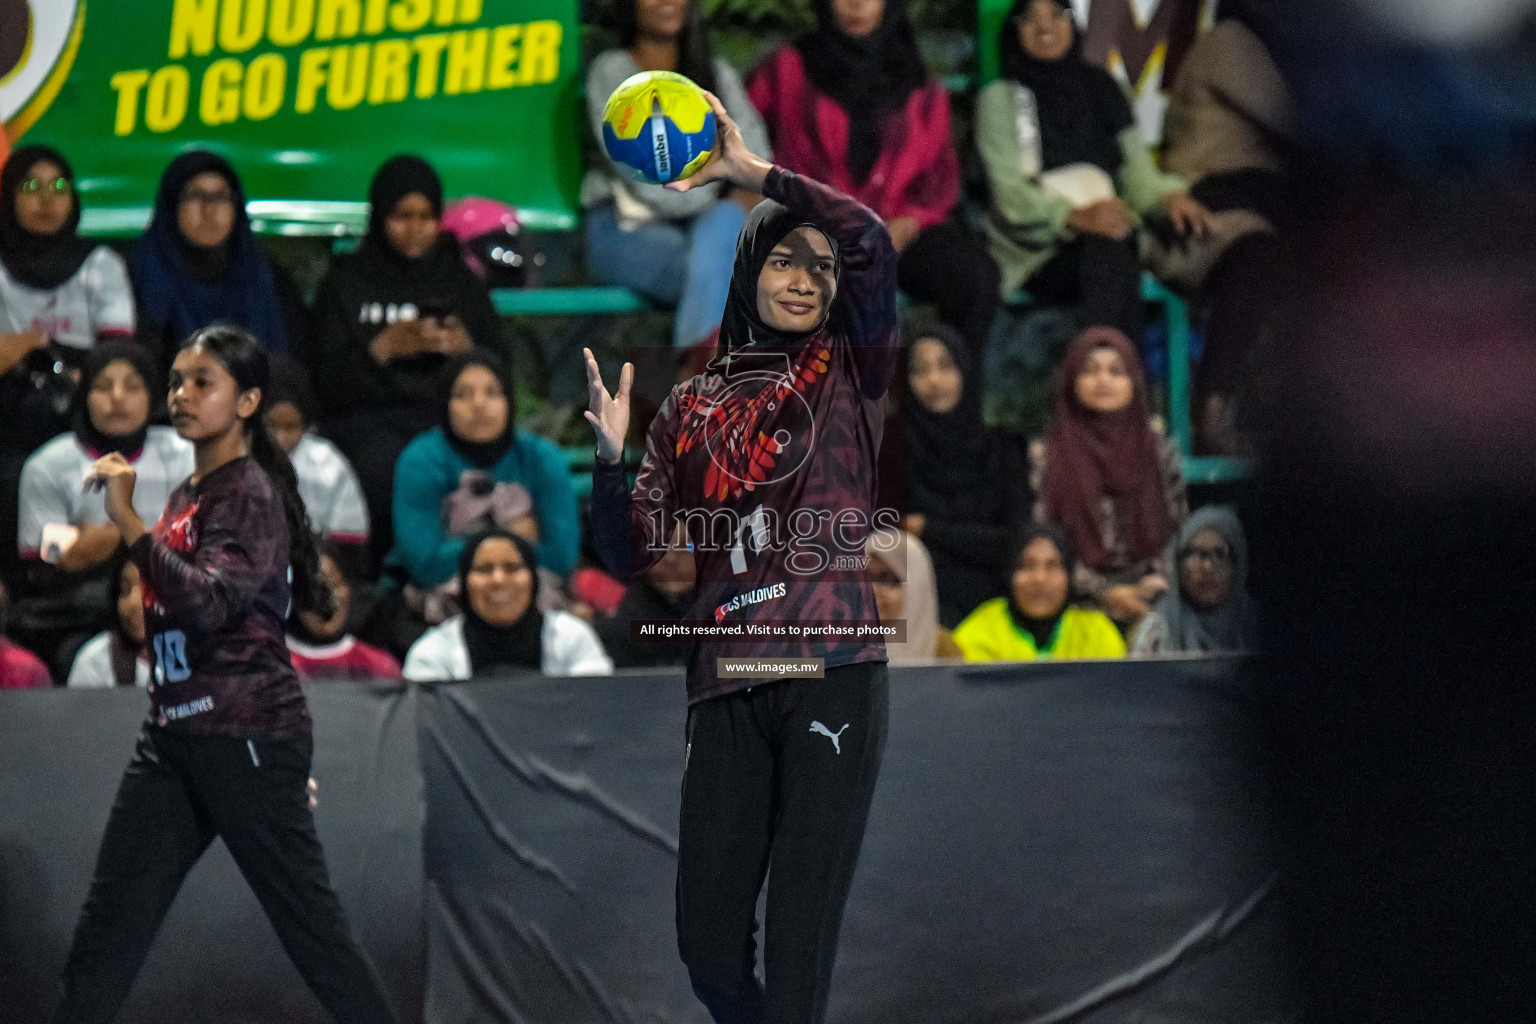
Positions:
{"x": 1209, "y": 612}
{"x": 59, "y": 296}
{"x": 198, "y": 263}
{"x": 54, "y": 285}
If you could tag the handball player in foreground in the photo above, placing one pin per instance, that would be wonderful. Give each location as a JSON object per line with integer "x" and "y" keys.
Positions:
{"x": 226, "y": 749}
{"x": 768, "y": 459}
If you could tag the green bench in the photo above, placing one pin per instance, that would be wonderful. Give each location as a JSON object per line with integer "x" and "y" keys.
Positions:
{"x": 577, "y": 301}
{"x": 1197, "y": 469}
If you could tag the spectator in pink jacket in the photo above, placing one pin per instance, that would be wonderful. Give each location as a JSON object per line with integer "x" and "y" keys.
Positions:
{"x": 851, "y": 106}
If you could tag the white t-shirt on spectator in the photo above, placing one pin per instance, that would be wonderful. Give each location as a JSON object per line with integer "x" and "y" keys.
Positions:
{"x": 96, "y": 301}
{"x": 330, "y": 490}
{"x": 93, "y": 665}
{"x": 52, "y": 478}
{"x": 570, "y": 646}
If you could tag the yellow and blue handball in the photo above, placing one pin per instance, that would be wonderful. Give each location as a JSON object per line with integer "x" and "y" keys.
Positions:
{"x": 658, "y": 127}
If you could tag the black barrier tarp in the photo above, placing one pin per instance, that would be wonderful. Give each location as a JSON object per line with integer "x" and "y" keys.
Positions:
{"x": 551, "y": 848}
{"x": 217, "y": 959}
{"x": 1048, "y": 843}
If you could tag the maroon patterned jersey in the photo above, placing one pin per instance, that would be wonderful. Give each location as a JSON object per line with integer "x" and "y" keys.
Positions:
{"x": 769, "y": 459}
{"x": 215, "y": 575}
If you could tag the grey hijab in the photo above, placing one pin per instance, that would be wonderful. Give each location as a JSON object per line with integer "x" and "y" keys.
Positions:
{"x": 1231, "y": 626}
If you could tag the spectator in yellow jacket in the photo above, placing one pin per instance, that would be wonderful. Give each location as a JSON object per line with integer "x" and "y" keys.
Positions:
{"x": 1037, "y": 620}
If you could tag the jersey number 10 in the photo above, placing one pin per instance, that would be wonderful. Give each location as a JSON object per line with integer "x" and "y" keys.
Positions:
{"x": 171, "y": 657}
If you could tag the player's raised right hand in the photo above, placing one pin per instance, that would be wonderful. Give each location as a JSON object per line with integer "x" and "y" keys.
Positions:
{"x": 608, "y": 414}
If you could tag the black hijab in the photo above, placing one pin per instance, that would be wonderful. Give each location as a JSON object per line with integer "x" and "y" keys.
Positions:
{"x": 38, "y": 261}
{"x": 97, "y": 360}
{"x": 1041, "y": 630}
{"x": 289, "y": 383}
{"x": 946, "y": 452}
{"x": 438, "y": 281}
{"x": 122, "y": 652}
{"x": 1081, "y": 107}
{"x": 870, "y": 76}
{"x": 743, "y": 334}
{"x": 396, "y": 178}
{"x": 495, "y": 650}
{"x": 483, "y": 454}
{"x": 182, "y": 287}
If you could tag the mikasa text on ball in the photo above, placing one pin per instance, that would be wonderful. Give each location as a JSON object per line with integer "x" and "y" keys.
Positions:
{"x": 658, "y": 127}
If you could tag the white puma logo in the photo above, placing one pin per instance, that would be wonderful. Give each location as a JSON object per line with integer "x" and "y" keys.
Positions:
{"x": 829, "y": 734}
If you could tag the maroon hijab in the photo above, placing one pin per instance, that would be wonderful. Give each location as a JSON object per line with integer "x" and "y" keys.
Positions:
{"x": 1090, "y": 455}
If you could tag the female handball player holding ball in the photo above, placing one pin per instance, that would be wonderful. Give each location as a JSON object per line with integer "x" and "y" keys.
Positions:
{"x": 779, "y": 434}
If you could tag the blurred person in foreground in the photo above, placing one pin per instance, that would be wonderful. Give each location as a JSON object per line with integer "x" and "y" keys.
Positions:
{"x": 1398, "y": 429}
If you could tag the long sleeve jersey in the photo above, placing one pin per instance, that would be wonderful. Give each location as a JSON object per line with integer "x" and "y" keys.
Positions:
{"x": 769, "y": 460}
{"x": 215, "y": 576}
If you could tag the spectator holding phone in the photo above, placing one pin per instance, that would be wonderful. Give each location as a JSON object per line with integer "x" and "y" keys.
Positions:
{"x": 472, "y": 472}
{"x": 386, "y": 318}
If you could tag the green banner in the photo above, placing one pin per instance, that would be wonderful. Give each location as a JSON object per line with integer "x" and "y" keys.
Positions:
{"x": 305, "y": 97}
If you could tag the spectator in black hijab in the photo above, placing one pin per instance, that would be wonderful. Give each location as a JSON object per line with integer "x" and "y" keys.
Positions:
{"x": 60, "y": 294}
{"x": 54, "y": 285}
{"x": 967, "y": 484}
{"x": 198, "y": 263}
{"x": 386, "y": 317}
{"x": 68, "y": 589}
{"x": 501, "y": 630}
